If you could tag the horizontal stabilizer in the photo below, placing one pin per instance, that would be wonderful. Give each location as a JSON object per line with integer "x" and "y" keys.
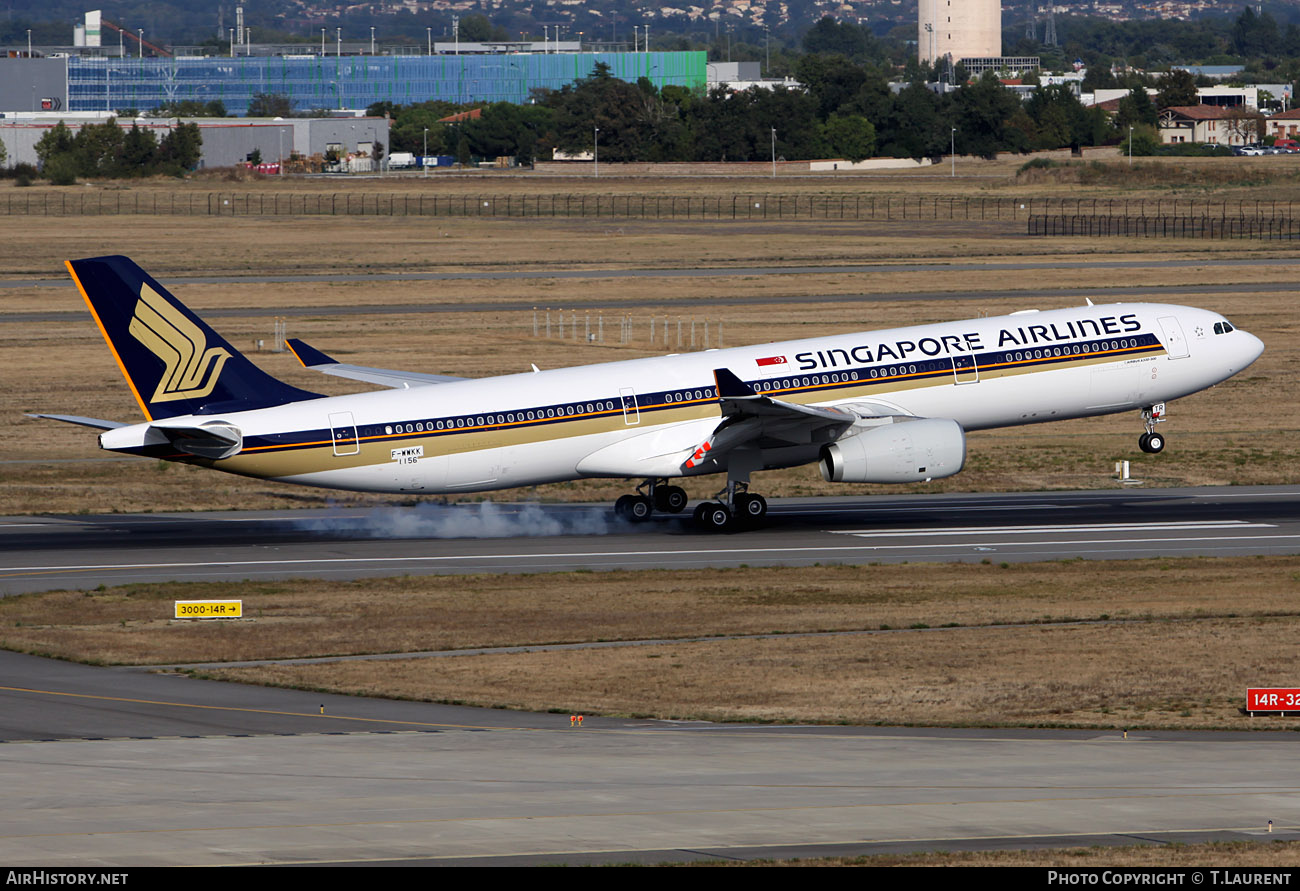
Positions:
{"x": 84, "y": 422}
{"x": 312, "y": 358}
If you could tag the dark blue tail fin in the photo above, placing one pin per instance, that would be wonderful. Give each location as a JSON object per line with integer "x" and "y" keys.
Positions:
{"x": 174, "y": 363}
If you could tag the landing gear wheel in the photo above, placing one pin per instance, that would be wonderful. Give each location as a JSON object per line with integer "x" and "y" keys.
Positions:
{"x": 636, "y": 508}
{"x": 751, "y": 507}
{"x": 715, "y": 517}
{"x": 1152, "y": 443}
{"x": 670, "y": 499}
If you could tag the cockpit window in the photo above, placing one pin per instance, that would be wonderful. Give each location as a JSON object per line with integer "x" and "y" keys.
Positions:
{"x": 1222, "y": 327}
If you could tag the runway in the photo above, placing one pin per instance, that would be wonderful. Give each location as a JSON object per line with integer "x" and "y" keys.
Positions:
{"x": 83, "y": 551}
{"x": 119, "y": 767}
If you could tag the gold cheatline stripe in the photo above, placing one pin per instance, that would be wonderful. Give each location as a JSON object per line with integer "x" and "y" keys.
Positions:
{"x": 862, "y": 383}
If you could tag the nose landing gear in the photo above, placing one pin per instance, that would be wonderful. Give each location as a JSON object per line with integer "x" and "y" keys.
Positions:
{"x": 1151, "y": 442}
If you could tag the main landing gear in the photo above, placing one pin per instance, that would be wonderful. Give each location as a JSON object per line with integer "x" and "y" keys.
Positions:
{"x": 1151, "y": 442}
{"x": 733, "y": 506}
{"x": 737, "y": 506}
{"x": 652, "y": 495}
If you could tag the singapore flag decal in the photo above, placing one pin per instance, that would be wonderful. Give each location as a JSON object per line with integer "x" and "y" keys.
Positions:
{"x": 771, "y": 360}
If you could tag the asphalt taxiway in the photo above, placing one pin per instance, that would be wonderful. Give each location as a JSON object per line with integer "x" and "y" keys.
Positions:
{"x": 115, "y": 767}
{"x": 84, "y": 551}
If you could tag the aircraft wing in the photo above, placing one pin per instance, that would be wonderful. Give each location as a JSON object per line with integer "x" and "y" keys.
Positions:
{"x": 312, "y": 358}
{"x": 755, "y": 421}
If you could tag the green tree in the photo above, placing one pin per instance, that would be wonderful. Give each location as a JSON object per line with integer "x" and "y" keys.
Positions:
{"x": 842, "y": 38}
{"x": 521, "y": 131}
{"x": 1099, "y": 76}
{"x": 97, "y": 148}
{"x": 723, "y": 126}
{"x": 1178, "y": 87}
{"x": 832, "y": 80}
{"x": 56, "y": 141}
{"x": 1061, "y": 119}
{"x": 180, "y": 149}
{"x": 1136, "y": 108}
{"x": 138, "y": 155}
{"x": 1255, "y": 35}
{"x": 478, "y": 29}
{"x": 61, "y": 170}
{"x": 406, "y": 133}
{"x": 270, "y": 105}
{"x": 1021, "y": 133}
{"x": 980, "y": 116}
{"x": 793, "y": 114}
{"x": 851, "y": 136}
{"x": 605, "y": 102}
{"x": 919, "y": 126}
{"x": 1145, "y": 141}
{"x": 189, "y": 108}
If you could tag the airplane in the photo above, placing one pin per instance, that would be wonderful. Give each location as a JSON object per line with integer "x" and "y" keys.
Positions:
{"x": 890, "y": 406}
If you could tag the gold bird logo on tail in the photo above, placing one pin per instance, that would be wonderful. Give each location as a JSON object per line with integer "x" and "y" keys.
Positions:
{"x": 192, "y": 370}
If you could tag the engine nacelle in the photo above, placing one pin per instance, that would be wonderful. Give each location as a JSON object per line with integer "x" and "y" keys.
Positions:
{"x": 906, "y": 451}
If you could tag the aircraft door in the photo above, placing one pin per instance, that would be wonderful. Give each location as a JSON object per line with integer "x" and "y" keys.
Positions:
{"x": 1175, "y": 342}
{"x": 964, "y": 369}
{"x": 631, "y": 411}
{"x": 343, "y": 430}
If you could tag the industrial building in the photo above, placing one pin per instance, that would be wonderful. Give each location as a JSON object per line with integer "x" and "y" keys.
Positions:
{"x": 226, "y": 141}
{"x": 317, "y": 82}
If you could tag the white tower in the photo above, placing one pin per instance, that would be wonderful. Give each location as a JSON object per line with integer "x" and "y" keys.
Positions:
{"x": 963, "y": 29}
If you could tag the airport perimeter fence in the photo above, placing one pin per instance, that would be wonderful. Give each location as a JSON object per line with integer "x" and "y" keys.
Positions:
{"x": 82, "y": 202}
{"x": 1269, "y": 227}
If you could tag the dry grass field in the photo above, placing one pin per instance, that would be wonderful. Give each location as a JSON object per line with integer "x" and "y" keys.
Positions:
{"x": 1152, "y": 643}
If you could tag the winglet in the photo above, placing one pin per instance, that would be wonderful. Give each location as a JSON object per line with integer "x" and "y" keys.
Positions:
{"x": 730, "y": 386}
{"x": 309, "y": 356}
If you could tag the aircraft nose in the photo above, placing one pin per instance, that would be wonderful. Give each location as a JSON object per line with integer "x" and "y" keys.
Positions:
{"x": 1255, "y": 348}
{"x": 1251, "y": 348}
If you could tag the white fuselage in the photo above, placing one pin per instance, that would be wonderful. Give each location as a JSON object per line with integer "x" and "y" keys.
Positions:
{"x": 642, "y": 417}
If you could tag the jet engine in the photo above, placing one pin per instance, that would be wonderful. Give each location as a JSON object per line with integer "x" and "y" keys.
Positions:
{"x": 905, "y": 450}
